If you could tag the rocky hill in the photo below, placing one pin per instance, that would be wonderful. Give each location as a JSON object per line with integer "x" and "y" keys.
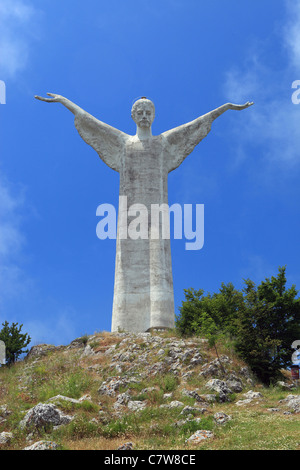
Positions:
{"x": 146, "y": 391}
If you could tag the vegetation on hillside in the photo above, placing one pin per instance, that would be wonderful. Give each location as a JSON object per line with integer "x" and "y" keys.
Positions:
{"x": 263, "y": 321}
{"x": 14, "y": 341}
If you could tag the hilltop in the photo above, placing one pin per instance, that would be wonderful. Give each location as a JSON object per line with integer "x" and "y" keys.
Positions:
{"x": 143, "y": 391}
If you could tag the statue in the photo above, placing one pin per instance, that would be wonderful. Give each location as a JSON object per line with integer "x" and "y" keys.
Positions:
{"x": 143, "y": 290}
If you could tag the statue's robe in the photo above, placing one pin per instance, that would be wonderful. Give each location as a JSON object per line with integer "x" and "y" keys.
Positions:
{"x": 143, "y": 290}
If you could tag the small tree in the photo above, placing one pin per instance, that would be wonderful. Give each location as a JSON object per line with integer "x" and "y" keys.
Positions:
{"x": 267, "y": 326}
{"x": 14, "y": 341}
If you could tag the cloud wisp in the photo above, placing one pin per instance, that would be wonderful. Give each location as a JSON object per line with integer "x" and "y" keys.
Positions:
{"x": 273, "y": 123}
{"x": 12, "y": 278}
{"x": 17, "y": 20}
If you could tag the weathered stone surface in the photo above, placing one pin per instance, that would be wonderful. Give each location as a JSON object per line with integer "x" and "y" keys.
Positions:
{"x": 87, "y": 352}
{"x": 136, "y": 405}
{"x": 4, "y": 413}
{"x": 122, "y": 399}
{"x": 199, "y": 436}
{"x": 215, "y": 368}
{"x": 292, "y": 402}
{"x": 173, "y": 404}
{"x": 41, "y": 350}
{"x": 222, "y": 418}
{"x": 252, "y": 395}
{"x": 43, "y": 445}
{"x": 193, "y": 394}
{"x": 244, "y": 402}
{"x": 126, "y": 446}
{"x": 190, "y": 410}
{"x": 5, "y": 438}
{"x": 111, "y": 386}
{"x": 221, "y": 387}
{"x": 43, "y": 415}
{"x": 235, "y": 384}
{"x": 285, "y": 386}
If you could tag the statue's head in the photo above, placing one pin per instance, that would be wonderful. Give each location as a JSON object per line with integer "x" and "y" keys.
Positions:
{"x": 143, "y": 112}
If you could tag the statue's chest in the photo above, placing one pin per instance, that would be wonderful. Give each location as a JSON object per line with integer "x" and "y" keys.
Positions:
{"x": 143, "y": 159}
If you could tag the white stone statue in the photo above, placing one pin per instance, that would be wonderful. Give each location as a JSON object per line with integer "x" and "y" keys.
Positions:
{"x": 143, "y": 291}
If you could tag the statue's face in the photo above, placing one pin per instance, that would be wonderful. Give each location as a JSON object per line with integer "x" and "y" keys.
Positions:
{"x": 143, "y": 114}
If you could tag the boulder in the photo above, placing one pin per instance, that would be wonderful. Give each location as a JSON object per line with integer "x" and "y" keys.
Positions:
{"x": 199, "y": 436}
{"x": 126, "y": 446}
{"x": 235, "y": 384}
{"x": 221, "y": 418}
{"x": 43, "y": 415}
{"x": 40, "y": 350}
{"x": 292, "y": 402}
{"x": 220, "y": 387}
{"x": 87, "y": 352}
{"x": 285, "y": 386}
{"x": 136, "y": 405}
{"x": 5, "y": 438}
{"x": 43, "y": 445}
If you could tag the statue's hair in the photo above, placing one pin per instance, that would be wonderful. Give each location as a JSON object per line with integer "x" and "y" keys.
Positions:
{"x": 143, "y": 99}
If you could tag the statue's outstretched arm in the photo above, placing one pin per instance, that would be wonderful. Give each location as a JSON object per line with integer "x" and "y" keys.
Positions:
{"x": 61, "y": 99}
{"x": 182, "y": 140}
{"x": 106, "y": 140}
{"x": 218, "y": 111}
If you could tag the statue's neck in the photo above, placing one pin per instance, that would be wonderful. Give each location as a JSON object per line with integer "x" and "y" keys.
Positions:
{"x": 143, "y": 133}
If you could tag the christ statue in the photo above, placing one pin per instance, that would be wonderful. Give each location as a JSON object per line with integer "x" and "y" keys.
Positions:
{"x": 143, "y": 289}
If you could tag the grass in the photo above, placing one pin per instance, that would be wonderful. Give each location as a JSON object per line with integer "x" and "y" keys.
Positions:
{"x": 153, "y": 428}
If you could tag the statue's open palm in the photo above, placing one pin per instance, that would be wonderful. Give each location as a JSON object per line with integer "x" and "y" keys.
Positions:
{"x": 55, "y": 98}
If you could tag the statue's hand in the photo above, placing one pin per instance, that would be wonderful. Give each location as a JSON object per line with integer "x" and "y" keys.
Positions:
{"x": 55, "y": 98}
{"x": 239, "y": 107}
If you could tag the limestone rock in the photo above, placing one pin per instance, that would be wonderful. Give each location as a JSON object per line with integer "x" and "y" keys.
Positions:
{"x": 220, "y": 387}
{"x": 245, "y": 402}
{"x": 136, "y": 405}
{"x": 292, "y": 402}
{"x": 4, "y": 413}
{"x": 222, "y": 418}
{"x": 126, "y": 446}
{"x": 5, "y": 438}
{"x": 252, "y": 395}
{"x": 40, "y": 350}
{"x": 199, "y": 436}
{"x": 235, "y": 384}
{"x": 176, "y": 404}
{"x": 285, "y": 386}
{"x": 43, "y": 445}
{"x": 189, "y": 410}
{"x": 193, "y": 394}
{"x": 88, "y": 352}
{"x": 111, "y": 386}
{"x": 43, "y": 415}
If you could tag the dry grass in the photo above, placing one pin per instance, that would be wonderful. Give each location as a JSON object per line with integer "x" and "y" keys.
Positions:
{"x": 65, "y": 373}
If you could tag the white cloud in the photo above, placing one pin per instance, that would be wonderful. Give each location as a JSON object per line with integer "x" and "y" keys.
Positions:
{"x": 17, "y": 24}
{"x": 273, "y": 121}
{"x": 56, "y": 329}
{"x": 257, "y": 269}
{"x": 292, "y": 33}
{"x": 12, "y": 278}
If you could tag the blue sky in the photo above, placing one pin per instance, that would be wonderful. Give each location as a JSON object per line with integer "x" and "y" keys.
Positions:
{"x": 189, "y": 57}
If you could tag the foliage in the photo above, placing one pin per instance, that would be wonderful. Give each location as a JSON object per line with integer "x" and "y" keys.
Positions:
{"x": 267, "y": 325}
{"x": 14, "y": 341}
{"x": 222, "y": 307}
{"x": 264, "y": 321}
